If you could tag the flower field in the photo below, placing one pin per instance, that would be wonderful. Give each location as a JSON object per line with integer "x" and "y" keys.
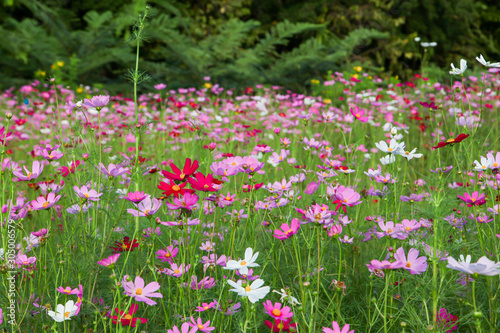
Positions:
{"x": 364, "y": 206}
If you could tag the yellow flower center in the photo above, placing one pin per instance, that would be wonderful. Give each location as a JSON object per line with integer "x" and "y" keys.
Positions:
{"x": 67, "y": 290}
{"x": 408, "y": 264}
{"x": 389, "y": 230}
{"x": 29, "y": 175}
{"x": 450, "y": 140}
{"x": 66, "y": 314}
{"x": 389, "y": 149}
{"x": 51, "y": 156}
{"x": 127, "y": 316}
{"x": 86, "y": 195}
{"x": 233, "y": 164}
{"x": 276, "y": 312}
{"x": 177, "y": 271}
{"x": 45, "y": 204}
{"x": 146, "y": 212}
{"x": 206, "y": 186}
{"x": 182, "y": 175}
{"x": 138, "y": 291}
{"x": 357, "y": 115}
{"x": 243, "y": 263}
{"x": 495, "y": 164}
{"x": 407, "y": 152}
{"x": 167, "y": 255}
{"x": 247, "y": 288}
{"x": 200, "y": 326}
{"x": 176, "y": 188}
{"x": 206, "y": 307}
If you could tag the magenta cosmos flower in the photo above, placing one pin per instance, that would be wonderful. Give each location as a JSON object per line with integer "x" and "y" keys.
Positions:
{"x": 109, "y": 261}
{"x": 45, "y": 202}
{"x": 135, "y": 196}
{"x": 51, "y": 156}
{"x": 3, "y": 135}
{"x": 140, "y": 292}
{"x": 336, "y": 329}
{"x": 358, "y": 114}
{"x": 276, "y": 311}
{"x": 187, "y": 201}
{"x": 87, "y": 194}
{"x": 168, "y": 254}
{"x": 96, "y": 102}
{"x": 146, "y": 207}
{"x": 36, "y": 168}
{"x": 474, "y": 199}
{"x": 185, "y": 328}
{"x": 288, "y": 230}
{"x": 412, "y": 263}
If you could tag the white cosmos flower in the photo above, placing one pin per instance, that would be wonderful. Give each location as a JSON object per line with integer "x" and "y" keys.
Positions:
{"x": 254, "y": 291}
{"x": 388, "y": 159}
{"x": 64, "y": 312}
{"x": 457, "y": 71}
{"x": 393, "y": 148}
{"x": 484, "y": 266}
{"x": 287, "y": 297}
{"x": 484, "y": 165}
{"x": 411, "y": 154}
{"x": 487, "y": 63}
{"x": 242, "y": 265}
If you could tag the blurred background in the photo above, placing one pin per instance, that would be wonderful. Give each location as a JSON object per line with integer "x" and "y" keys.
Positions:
{"x": 239, "y": 43}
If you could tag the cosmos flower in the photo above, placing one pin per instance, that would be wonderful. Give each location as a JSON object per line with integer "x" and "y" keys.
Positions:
{"x": 185, "y": 328}
{"x": 412, "y": 263}
{"x": 393, "y": 148}
{"x": 484, "y": 266}
{"x": 96, "y": 102}
{"x": 146, "y": 207}
{"x": 451, "y": 141}
{"x": 113, "y": 170}
{"x": 485, "y": 63}
{"x": 336, "y": 329}
{"x": 203, "y": 183}
{"x": 109, "y": 261}
{"x": 474, "y": 199}
{"x": 128, "y": 319}
{"x": 87, "y": 194}
{"x": 199, "y": 325}
{"x": 358, "y": 114}
{"x": 287, "y": 231}
{"x": 139, "y": 292}
{"x": 45, "y": 202}
{"x": 178, "y": 175}
{"x": 243, "y": 265}
{"x": 254, "y": 291}
{"x": 281, "y": 325}
{"x": 36, "y": 170}
{"x": 461, "y": 70}
{"x": 276, "y": 311}
{"x": 174, "y": 189}
{"x": 64, "y": 312}
{"x": 126, "y": 245}
{"x": 135, "y": 197}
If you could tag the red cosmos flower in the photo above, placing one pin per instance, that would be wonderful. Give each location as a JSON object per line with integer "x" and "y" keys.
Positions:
{"x": 458, "y": 139}
{"x": 183, "y": 175}
{"x": 128, "y": 319}
{"x": 127, "y": 245}
{"x": 203, "y": 183}
{"x": 281, "y": 325}
{"x": 173, "y": 188}
{"x": 430, "y": 106}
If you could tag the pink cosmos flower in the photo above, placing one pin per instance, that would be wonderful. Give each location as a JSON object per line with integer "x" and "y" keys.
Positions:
{"x": 45, "y": 203}
{"x": 412, "y": 263}
{"x": 160, "y": 86}
{"x": 204, "y": 327}
{"x": 67, "y": 290}
{"x": 109, "y": 261}
{"x": 36, "y": 168}
{"x": 3, "y": 135}
{"x": 51, "y": 156}
{"x": 112, "y": 170}
{"x": 23, "y": 260}
{"x": 276, "y": 311}
{"x": 336, "y": 329}
{"x": 135, "y": 197}
{"x": 474, "y": 199}
{"x": 146, "y": 207}
{"x": 358, "y": 114}
{"x": 176, "y": 271}
{"x": 40, "y": 233}
{"x": 288, "y": 230}
{"x": 276, "y": 158}
{"x": 168, "y": 254}
{"x": 86, "y": 193}
{"x": 346, "y": 197}
{"x": 188, "y": 201}
{"x": 185, "y": 328}
{"x": 140, "y": 292}
{"x": 206, "y": 283}
{"x": 96, "y": 102}
{"x": 376, "y": 267}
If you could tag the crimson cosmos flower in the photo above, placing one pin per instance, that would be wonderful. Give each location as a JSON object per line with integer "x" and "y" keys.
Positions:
{"x": 128, "y": 319}
{"x": 203, "y": 183}
{"x": 127, "y": 245}
{"x": 173, "y": 188}
{"x": 458, "y": 139}
{"x": 179, "y": 175}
